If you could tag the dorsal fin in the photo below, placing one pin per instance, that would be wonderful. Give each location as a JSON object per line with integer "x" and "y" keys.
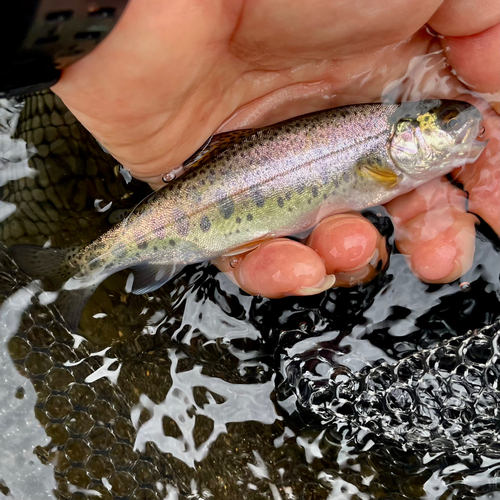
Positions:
{"x": 214, "y": 145}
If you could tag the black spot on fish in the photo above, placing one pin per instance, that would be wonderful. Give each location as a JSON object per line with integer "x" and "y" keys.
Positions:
{"x": 249, "y": 217}
{"x": 226, "y": 207}
{"x": 290, "y": 210}
{"x": 288, "y": 195}
{"x": 237, "y": 231}
{"x": 172, "y": 243}
{"x": 346, "y": 176}
{"x": 93, "y": 265}
{"x": 109, "y": 266}
{"x": 205, "y": 224}
{"x": 335, "y": 182}
{"x": 142, "y": 245}
{"x": 258, "y": 198}
{"x": 155, "y": 249}
{"x": 314, "y": 191}
{"x": 203, "y": 183}
{"x": 309, "y": 201}
{"x": 280, "y": 202}
{"x": 300, "y": 188}
{"x": 238, "y": 220}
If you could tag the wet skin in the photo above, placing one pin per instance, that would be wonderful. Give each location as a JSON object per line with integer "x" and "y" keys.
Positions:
{"x": 173, "y": 73}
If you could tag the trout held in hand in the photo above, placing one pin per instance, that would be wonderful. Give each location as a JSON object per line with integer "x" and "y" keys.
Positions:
{"x": 249, "y": 185}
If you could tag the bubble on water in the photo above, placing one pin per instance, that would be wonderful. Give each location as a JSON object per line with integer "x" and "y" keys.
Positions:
{"x": 465, "y": 286}
{"x": 169, "y": 177}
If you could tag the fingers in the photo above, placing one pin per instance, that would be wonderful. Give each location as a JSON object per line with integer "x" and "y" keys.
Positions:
{"x": 323, "y": 29}
{"x": 482, "y": 180}
{"x": 279, "y": 268}
{"x": 350, "y": 246}
{"x": 465, "y": 17}
{"x": 471, "y": 43}
{"x": 343, "y": 250}
{"x": 476, "y": 61}
{"x": 434, "y": 231}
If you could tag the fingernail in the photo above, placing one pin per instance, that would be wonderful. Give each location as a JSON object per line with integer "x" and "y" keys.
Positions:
{"x": 328, "y": 282}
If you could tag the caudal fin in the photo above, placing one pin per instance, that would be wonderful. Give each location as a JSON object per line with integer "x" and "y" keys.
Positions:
{"x": 48, "y": 264}
{"x": 51, "y": 265}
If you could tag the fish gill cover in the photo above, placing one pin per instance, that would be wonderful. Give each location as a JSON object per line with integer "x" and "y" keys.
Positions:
{"x": 200, "y": 391}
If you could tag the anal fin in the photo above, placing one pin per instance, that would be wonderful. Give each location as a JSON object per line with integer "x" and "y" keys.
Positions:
{"x": 71, "y": 303}
{"x": 150, "y": 277}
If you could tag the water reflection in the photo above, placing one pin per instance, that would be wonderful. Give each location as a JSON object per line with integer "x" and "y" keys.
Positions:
{"x": 194, "y": 398}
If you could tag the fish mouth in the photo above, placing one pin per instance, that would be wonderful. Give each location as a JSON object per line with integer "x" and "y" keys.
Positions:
{"x": 470, "y": 151}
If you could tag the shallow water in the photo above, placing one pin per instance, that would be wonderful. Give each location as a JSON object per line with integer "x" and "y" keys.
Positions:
{"x": 188, "y": 392}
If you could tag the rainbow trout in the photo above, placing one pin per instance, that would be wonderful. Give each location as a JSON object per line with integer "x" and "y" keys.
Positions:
{"x": 249, "y": 185}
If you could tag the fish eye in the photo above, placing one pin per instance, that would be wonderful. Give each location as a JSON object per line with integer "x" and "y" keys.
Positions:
{"x": 449, "y": 119}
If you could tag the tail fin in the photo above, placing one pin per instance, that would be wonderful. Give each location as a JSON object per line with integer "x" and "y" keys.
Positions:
{"x": 52, "y": 265}
{"x": 48, "y": 264}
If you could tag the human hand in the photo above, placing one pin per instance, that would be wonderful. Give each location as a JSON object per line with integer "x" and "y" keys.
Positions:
{"x": 173, "y": 73}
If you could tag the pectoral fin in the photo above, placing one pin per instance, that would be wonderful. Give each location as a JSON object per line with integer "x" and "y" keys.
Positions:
{"x": 381, "y": 174}
{"x": 247, "y": 247}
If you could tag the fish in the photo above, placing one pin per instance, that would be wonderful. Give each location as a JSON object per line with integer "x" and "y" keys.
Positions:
{"x": 246, "y": 186}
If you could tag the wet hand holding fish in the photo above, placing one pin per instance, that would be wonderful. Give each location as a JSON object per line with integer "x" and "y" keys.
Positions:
{"x": 247, "y": 186}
